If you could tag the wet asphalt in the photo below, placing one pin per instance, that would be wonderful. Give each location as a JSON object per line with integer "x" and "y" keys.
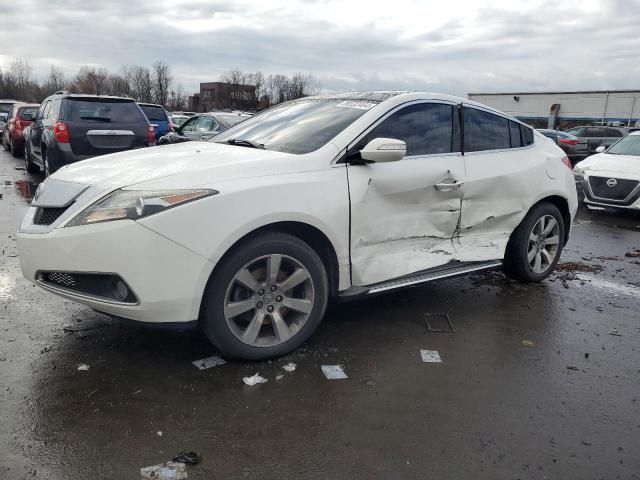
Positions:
{"x": 538, "y": 381}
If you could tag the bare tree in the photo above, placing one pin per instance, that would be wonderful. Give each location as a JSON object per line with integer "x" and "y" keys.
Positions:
{"x": 92, "y": 80}
{"x": 177, "y": 99}
{"x": 162, "y": 80}
{"x": 20, "y": 71}
{"x": 54, "y": 82}
{"x": 119, "y": 84}
{"x": 140, "y": 82}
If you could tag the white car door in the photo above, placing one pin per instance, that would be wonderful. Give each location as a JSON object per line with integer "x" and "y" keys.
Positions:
{"x": 404, "y": 214}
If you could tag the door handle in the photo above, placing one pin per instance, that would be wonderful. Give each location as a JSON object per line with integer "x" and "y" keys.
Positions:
{"x": 446, "y": 187}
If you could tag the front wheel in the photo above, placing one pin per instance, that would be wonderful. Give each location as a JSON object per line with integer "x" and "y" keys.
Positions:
{"x": 28, "y": 161}
{"x": 535, "y": 246}
{"x": 266, "y": 297}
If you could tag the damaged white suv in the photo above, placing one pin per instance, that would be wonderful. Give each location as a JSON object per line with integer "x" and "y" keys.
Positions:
{"x": 253, "y": 232}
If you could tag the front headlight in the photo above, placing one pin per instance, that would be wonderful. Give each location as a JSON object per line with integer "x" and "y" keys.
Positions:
{"x": 133, "y": 204}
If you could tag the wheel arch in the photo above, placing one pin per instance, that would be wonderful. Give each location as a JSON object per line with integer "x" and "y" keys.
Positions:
{"x": 563, "y": 205}
{"x": 309, "y": 234}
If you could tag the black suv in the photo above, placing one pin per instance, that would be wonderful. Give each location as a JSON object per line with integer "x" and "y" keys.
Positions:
{"x": 70, "y": 127}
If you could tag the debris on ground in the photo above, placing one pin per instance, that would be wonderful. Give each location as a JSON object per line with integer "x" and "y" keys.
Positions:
{"x": 91, "y": 393}
{"x": 527, "y": 343}
{"x": 571, "y": 367}
{"x": 279, "y": 377}
{"x": 430, "y": 328}
{"x": 333, "y": 372}
{"x": 254, "y": 380}
{"x": 430, "y": 356}
{"x": 209, "y": 362}
{"x": 159, "y": 433}
{"x": 83, "y": 367}
{"x": 567, "y": 271}
{"x": 371, "y": 383}
{"x": 73, "y": 328}
{"x": 164, "y": 471}
{"x": 289, "y": 367}
{"x": 188, "y": 457}
{"x": 136, "y": 392}
{"x": 615, "y": 333}
{"x": 633, "y": 253}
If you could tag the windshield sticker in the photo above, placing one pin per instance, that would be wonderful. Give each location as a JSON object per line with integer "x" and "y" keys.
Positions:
{"x": 354, "y": 104}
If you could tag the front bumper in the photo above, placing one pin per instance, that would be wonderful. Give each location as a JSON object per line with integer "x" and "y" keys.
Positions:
{"x": 168, "y": 280}
{"x": 589, "y": 198}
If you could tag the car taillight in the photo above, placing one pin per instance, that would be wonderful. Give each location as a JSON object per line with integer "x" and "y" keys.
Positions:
{"x": 18, "y": 124}
{"x": 61, "y": 132}
{"x": 569, "y": 141}
{"x": 567, "y": 162}
{"x": 151, "y": 135}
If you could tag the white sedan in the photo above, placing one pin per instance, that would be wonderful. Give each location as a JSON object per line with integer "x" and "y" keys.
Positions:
{"x": 611, "y": 178}
{"x": 252, "y": 233}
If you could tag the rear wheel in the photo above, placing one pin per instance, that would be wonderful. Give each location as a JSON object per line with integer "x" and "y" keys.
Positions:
{"x": 14, "y": 151}
{"x": 4, "y": 142}
{"x": 265, "y": 298}
{"x": 535, "y": 247}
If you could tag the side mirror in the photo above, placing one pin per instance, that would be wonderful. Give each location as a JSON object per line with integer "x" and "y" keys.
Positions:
{"x": 384, "y": 150}
{"x": 601, "y": 149}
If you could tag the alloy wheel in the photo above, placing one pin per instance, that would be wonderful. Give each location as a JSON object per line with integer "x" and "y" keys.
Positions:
{"x": 544, "y": 244}
{"x": 269, "y": 300}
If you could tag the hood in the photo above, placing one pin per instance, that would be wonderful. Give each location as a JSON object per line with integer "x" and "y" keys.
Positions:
{"x": 627, "y": 165}
{"x": 196, "y": 159}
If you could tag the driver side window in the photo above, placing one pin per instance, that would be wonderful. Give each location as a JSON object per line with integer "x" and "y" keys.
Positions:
{"x": 426, "y": 128}
{"x": 206, "y": 124}
{"x": 189, "y": 125}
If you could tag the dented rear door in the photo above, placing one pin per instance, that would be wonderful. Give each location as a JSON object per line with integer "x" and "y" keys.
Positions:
{"x": 405, "y": 214}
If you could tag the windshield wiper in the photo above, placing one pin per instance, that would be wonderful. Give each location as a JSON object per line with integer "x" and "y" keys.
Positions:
{"x": 97, "y": 119}
{"x": 246, "y": 143}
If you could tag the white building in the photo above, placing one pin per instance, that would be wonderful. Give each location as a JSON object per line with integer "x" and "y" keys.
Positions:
{"x": 568, "y": 109}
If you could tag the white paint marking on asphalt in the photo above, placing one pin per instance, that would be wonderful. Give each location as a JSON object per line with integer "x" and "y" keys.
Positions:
{"x": 611, "y": 287}
{"x": 333, "y": 372}
{"x": 430, "y": 356}
{"x": 209, "y": 362}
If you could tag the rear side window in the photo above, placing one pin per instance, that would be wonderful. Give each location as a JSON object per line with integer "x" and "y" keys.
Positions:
{"x": 527, "y": 135}
{"x": 516, "y": 138}
{"x": 427, "y": 128}
{"x": 484, "y": 131}
{"x": 81, "y": 110}
{"x": 595, "y": 132}
{"x": 154, "y": 113}
{"x": 612, "y": 132}
{"x": 206, "y": 124}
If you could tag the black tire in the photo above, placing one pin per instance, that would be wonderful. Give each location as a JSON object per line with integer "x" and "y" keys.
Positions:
{"x": 213, "y": 321}
{"x": 14, "y": 151}
{"x": 516, "y": 263}
{"x": 4, "y": 142}
{"x": 28, "y": 161}
{"x": 47, "y": 168}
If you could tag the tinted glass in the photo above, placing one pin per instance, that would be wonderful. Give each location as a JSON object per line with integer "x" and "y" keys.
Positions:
{"x": 47, "y": 109}
{"x": 80, "y": 110}
{"x": 153, "y": 113}
{"x": 27, "y": 111}
{"x": 578, "y": 132}
{"x": 595, "y": 132}
{"x": 298, "y": 127}
{"x": 426, "y": 128}
{"x": 527, "y": 135}
{"x": 484, "y": 131}
{"x": 612, "y": 132}
{"x": 5, "y": 107}
{"x": 516, "y": 140}
{"x": 189, "y": 125}
{"x": 629, "y": 145}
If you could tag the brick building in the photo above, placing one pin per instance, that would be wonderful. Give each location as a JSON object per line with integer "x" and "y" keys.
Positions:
{"x": 221, "y": 95}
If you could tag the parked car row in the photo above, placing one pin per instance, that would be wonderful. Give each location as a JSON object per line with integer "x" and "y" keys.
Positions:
{"x": 67, "y": 128}
{"x": 580, "y": 142}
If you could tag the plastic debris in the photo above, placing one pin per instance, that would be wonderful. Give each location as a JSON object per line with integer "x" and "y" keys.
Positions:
{"x": 188, "y": 457}
{"x": 83, "y": 367}
{"x": 209, "y": 362}
{"x": 164, "y": 471}
{"x": 430, "y": 356}
{"x": 615, "y": 333}
{"x": 279, "y": 377}
{"x": 254, "y": 380}
{"x": 527, "y": 343}
{"x": 571, "y": 367}
{"x": 333, "y": 372}
{"x": 289, "y": 367}
{"x": 159, "y": 433}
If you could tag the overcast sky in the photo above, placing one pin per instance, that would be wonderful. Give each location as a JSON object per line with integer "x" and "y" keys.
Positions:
{"x": 449, "y": 46}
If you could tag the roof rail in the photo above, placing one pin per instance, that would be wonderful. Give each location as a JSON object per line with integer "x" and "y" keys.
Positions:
{"x": 61, "y": 92}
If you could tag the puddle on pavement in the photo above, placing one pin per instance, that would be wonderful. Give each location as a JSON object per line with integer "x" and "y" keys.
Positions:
{"x": 26, "y": 189}
{"x": 611, "y": 287}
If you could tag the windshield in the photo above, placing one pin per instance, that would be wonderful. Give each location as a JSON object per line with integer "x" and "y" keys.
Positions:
{"x": 5, "y": 107}
{"x": 27, "y": 111}
{"x": 231, "y": 120}
{"x": 154, "y": 113}
{"x": 627, "y": 146}
{"x": 177, "y": 121}
{"x": 298, "y": 127}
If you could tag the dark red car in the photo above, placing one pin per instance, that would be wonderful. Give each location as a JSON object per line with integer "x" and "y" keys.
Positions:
{"x": 18, "y": 118}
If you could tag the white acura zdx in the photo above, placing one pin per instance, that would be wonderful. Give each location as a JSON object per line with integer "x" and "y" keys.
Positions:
{"x": 254, "y": 231}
